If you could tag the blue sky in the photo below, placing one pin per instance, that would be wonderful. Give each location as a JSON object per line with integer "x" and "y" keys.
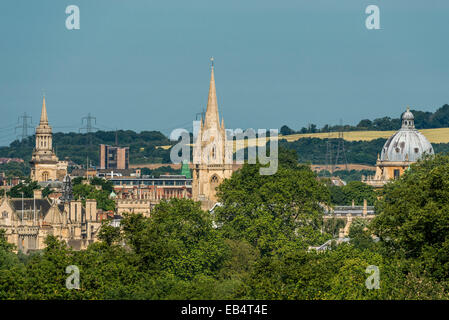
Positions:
{"x": 144, "y": 65}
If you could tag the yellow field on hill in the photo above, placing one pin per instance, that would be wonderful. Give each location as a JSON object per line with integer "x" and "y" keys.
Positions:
{"x": 439, "y": 135}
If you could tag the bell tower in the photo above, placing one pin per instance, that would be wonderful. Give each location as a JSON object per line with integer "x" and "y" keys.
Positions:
{"x": 44, "y": 143}
{"x": 45, "y": 166}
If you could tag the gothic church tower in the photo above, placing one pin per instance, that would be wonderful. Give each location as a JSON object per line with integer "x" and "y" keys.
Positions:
{"x": 45, "y": 166}
{"x": 212, "y": 154}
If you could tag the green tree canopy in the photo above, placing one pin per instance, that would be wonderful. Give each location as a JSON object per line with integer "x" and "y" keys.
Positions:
{"x": 354, "y": 190}
{"x": 413, "y": 218}
{"x": 270, "y": 210}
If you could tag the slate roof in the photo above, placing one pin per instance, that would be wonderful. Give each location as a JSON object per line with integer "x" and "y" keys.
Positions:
{"x": 42, "y": 206}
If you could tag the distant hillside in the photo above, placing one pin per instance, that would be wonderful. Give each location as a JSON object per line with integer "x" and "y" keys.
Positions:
{"x": 313, "y": 150}
{"x": 364, "y": 141}
{"x": 423, "y": 120}
{"x": 78, "y": 146}
{"x": 440, "y": 135}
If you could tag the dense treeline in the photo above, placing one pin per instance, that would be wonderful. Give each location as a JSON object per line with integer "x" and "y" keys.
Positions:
{"x": 356, "y": 191}
{"x": 256, "y": 246}
{"x": 15, "y": 169}
{"x": 423, "y": 120}
{"x": 144, "y": 146}
{"x": 160, "y": 171}
{"x": 347, "y": 175}
{"x": 79, "y": 147}
{"x": 313, "y": 150}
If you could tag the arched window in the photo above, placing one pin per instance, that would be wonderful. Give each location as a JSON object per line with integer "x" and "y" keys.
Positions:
{"x": 214, "y": 179}
{"x": 45, "y": 176}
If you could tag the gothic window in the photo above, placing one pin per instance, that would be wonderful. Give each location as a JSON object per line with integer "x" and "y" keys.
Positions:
{"x": 4, "y": 214}
{"x": 214, "y": 179}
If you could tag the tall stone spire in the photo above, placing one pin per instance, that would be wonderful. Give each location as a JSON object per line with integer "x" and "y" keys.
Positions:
{"x": 211, "y": 155}
{"x": 212, "y": 118}
{"x": 44, "y": 118}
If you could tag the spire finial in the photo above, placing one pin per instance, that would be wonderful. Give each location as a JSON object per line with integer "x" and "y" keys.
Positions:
{"x": 211, "y": 118}
{"x": 44, "y": 119}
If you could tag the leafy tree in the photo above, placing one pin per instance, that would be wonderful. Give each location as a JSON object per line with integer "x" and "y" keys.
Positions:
{"x": 333, "y": 226}
{"x": 285, "y": 130}
{"x": 413, "y": 218}
{"x": 26, "y": 188}
{"x": 46, "y": 191}
{"x": 109, "y": 234}
{"x": 354, "y": 190}
{"x": 269, "y": 210}
{"x": 177, "y": 239}
{"x": 88, "y": 191}
{"x": 359, "y": 234}
{"x": 105, "y": 184}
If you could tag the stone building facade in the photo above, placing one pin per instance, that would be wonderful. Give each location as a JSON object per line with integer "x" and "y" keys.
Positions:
{"x": 29, "y": 221}
{"x": 140, "y": 195}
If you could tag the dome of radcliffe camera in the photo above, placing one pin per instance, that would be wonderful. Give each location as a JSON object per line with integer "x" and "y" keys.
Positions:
{"x": 407, "y": 144}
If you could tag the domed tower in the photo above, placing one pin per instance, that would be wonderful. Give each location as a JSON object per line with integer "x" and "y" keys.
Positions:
{"x": 403, "y": 148}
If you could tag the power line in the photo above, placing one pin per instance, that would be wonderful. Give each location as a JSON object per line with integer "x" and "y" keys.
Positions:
{"x": 7, "y": 128}
{"x": 341, "y": 147}
{"x": 329, "y": 166}
{"x": 24, "y": 126}
{"x": 89, "y": 127}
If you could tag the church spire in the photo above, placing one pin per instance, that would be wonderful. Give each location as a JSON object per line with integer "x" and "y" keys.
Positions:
{"x": 212, "y": 118}
{"x": 44, "y": 118}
